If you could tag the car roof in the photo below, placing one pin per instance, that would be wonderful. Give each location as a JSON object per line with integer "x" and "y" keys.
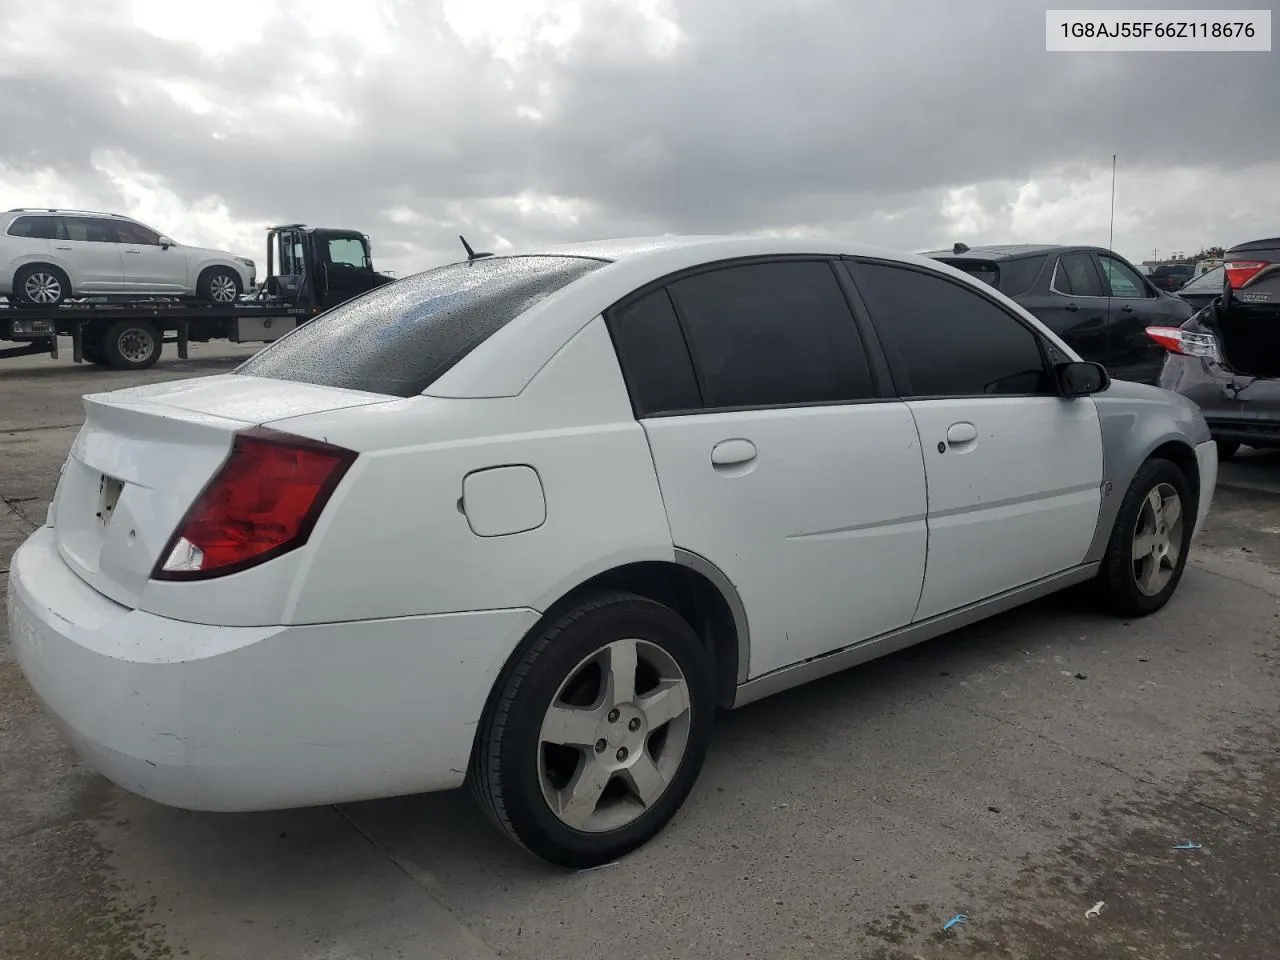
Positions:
{"x": 513, "y": 356}
{"x": 1007, "y": 251}
{"x": 35, "y": 211}
{"x": 1272, "y": 243}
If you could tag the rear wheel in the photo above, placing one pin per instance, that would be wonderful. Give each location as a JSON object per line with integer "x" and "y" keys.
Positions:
{"x": 130, "y": 345}
{"x": 1149, "y": 542}
{"x": 219, "y": 285}
{"x": 40, "y": 285}
{"x": 1227, "y": 449}
{"x": 596, "y": 736}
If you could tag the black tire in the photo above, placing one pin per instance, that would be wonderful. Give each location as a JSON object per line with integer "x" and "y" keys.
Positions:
{"x": 1227, "y": 449}
{"x": 40, "y": 285}
{"x": 1118, "y": 580}
{"x": 219, "y": 285}
{"x": 91, "y": 350}
{"x": 129, "y": 345}
{"x": 509, "y": 758}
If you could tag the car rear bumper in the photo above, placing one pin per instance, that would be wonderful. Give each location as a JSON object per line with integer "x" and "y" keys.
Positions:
{"x": 1236, "y": 408}
{"x": 254, "y": 718}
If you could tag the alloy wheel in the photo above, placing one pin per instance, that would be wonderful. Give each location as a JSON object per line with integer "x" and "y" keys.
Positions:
{"x": 42, "y": 287}
{"x": 613, "y": 736}
{"x": 1157, "y": 539}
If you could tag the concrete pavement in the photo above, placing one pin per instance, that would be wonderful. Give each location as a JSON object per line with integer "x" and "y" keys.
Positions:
{"x": 1016, "y": 772}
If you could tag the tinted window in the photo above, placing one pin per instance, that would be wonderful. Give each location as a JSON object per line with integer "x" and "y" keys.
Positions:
{"x": 982, "y": 270}
{"x": 1211, "y": 281}
{"x": 35, "y": 228}
{"x": 1122, "y": 279}
{"x": 1076, "y": 276}
{"x": 135, "y": 233}
{"x": 92, "y": 229}
{"x": 1017, "y": 276}
{"x": 653, "y": 355}
{"x": 772, "y": 333}
{"x": 399, "y": 338}
{"x": 948, "y": 340}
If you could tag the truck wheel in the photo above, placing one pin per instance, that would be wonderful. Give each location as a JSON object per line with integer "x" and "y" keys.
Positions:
{"x": 130, "y": 345}
{"x": 219, "y": 285}
{"x": 40, "y": 285}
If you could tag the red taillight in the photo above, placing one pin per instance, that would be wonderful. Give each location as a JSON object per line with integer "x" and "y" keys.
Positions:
{"x": 1240, "y": 272}
{"x": 263, "y": 502}
{"x": 1177, "y": 340}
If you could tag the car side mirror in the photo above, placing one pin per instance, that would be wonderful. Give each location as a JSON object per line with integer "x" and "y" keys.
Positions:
{"x": 165, "y": 243}
{"x": 1079, "y": 378}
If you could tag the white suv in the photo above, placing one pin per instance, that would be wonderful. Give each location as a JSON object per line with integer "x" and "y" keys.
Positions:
{"x": 49, "y": 256}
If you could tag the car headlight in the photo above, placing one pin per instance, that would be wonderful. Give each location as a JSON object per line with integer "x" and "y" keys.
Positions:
{"x": 246, "y": 261}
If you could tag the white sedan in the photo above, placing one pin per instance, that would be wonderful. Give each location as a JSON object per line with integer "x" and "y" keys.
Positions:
{"x": 528, "y": 521}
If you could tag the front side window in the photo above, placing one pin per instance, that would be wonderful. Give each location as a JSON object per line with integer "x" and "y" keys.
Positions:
{"x": 1076, "y": 276}
{"x": 946, "y": 340}
{"x": 127, "y": 232}
{"x": 88, "y": 229}
{"x": 34, "y": 228}
{"x": 772, "y": 334}
{"x": 1122, "y": 280}
{"x": 400, "y": 338}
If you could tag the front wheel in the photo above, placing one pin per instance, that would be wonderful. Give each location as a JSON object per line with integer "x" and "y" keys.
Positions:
{"x": 220, "y": 286}
{"x": 595, "y": 737}
{"x": 1149, "y": 543}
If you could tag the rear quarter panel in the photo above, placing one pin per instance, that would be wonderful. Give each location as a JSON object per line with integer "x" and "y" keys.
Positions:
{"x": 395, "y": 540}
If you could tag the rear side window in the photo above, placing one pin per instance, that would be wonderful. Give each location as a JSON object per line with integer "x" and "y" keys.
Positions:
{"x": 1076, "y": 276}
{"x": 771, "y": 334}
{"x": 400, "y": 338}
{"x": 653, "y": 356}
{"x": 88, "y": 229}
{"x": 948, "y": 340}
{"x": 1017, "y": 276}
{"x": 34, "y": 228}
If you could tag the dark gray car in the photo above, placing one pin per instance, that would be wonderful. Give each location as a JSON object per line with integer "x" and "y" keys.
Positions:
{"x": 1226, "y": 358}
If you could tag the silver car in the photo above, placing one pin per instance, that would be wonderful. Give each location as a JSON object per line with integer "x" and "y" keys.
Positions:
{"x": 1226, "y": 358}
{"x": 49, "y": 256}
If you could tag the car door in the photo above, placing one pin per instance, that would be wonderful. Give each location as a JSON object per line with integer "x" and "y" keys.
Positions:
{"x": 1014, "y": 470}
{"x": 149, "y": 267}
{"x": 88, "y": 246}
{"x": 1073, "y": 304}
{"x": 1135, "y": 305}
{"x": 778, "y": 459}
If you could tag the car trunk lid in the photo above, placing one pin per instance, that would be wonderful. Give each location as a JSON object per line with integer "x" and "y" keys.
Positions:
{"x": 144, "y": 454}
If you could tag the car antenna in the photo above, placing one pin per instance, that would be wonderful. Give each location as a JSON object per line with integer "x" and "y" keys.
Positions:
{"x": 960, "y": 248}
{"x": 471, "y": 254}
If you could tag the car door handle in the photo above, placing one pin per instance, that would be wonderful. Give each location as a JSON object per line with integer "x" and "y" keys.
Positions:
{"x": 962, "y": 432}
{"x": 729, "y": 453}
{"x": 133, "y": 251}
{"x": 1072, "y": 307}
{"x": 1126, "y": 309}
{"x": 62, "y": 248}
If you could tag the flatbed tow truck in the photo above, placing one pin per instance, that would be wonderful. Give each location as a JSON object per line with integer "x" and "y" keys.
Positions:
{"x": 318, "y": 268}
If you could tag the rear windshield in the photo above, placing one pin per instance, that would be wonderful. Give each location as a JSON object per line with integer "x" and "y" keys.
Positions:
{"x": 399, "y": 339}
{"x": 1010, "y": 277}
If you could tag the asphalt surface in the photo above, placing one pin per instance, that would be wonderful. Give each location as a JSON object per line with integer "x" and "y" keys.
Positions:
{"x": 1017, "y": 772}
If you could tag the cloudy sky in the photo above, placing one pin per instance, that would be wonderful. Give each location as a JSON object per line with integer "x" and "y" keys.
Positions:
{"x": 909, "y": 124}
